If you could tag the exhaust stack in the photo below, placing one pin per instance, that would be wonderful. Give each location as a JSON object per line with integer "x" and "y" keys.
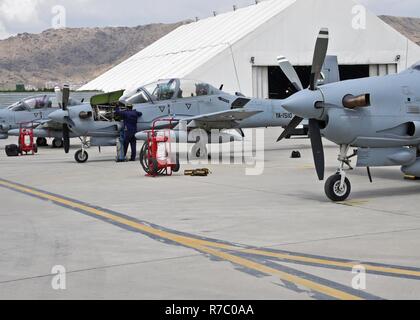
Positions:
{"x": 353, "y": 102}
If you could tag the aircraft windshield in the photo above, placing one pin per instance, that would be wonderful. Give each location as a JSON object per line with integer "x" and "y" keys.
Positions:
{"x": 162, "y": 90}
{"x": 38, "y": 102}
{"x": 19, "y": 106}
{"x": 168, "y": 90}
{"x": 135, "y": 97}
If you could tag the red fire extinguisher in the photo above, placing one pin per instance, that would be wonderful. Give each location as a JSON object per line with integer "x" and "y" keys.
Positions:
{"x": 26, "y": 141}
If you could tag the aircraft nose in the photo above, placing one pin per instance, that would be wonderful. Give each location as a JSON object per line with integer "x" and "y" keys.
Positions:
{"x": 58, "y": 116}
{"x": 303, "y": 104}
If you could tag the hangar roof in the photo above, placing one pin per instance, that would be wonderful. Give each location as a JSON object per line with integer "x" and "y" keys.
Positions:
{"x": 226, "y": 48}
{"x": 186, "y": 48}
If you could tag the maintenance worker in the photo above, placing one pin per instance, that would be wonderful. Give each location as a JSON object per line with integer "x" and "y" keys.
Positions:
{"x": 130, "y": 118}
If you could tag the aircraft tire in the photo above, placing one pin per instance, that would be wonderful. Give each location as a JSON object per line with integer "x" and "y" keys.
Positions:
{"x": 143, "y": 157}
{"x": 41, "y": 142}
{"x": 81, "y": 156}
{"x": 332, "y": 188}
{"x": 12, "y": 150}
{"x": 57, "y": 143}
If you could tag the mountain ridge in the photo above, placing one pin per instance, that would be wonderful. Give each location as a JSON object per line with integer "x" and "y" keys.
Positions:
{"x": 74, "y": 55}
{"x": 78, "y": 55}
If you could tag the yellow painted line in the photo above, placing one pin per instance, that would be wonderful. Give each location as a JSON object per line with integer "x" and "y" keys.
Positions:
{"x": 192, "y": 243}
{"x": 204, "y": 243}
{"x": 354, "y": 202}
{"x": 329, "y": 291}
{"x": 332, "y": 263}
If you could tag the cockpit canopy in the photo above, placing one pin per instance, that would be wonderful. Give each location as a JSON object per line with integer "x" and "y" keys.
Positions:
{"x": 38, "y": 102}
{"x": 168, "y": 90}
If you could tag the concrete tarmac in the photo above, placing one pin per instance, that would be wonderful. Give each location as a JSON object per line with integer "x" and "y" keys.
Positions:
{"x": 122, "y": 235}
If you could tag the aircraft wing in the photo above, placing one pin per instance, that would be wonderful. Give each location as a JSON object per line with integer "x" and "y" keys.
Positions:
{"x": 220, "y": 120}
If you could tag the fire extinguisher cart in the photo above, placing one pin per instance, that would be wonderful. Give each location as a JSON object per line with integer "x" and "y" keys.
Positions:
{"x": 26, "y": 139}
{"x": 25, "y": 142}
{"x": 156, "y": 156}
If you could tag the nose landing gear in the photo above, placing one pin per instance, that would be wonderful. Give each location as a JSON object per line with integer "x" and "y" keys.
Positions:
{"x": 81, "y": 156}
{"x": 338, "y": 186}
{"x": 336, "y": 190}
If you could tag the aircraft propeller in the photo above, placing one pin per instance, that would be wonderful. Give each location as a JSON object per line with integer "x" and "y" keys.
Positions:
{"x": 66, "y": 129}
{"x": 320, "y": 54}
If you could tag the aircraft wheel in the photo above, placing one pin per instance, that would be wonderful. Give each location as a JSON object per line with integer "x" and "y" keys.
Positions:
{"x": 81, "y": 156}
{"x": 41, "y": 142}
{"x": 57, "y": 143}
{"x": 35, "y": 149}
{"x": 144, "y": 157}
{"x": 12, "y": 150}
{"x": 333, "y": 190}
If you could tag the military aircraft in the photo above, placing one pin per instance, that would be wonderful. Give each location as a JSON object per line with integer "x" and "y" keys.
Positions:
{"x": 380, "y": 116}
{"x": 196, "y": 103}
{"x": 31, "y": 111}
{"x": 199, "y": 104}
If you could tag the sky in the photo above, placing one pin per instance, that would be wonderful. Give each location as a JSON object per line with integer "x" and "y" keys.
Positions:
{"x": 33, "y": 16}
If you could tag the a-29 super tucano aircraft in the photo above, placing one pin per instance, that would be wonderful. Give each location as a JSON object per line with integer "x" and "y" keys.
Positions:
{"x": 198, "y": 104}
{"x": 27, "y": 112}
{"x": 380, "y": 116}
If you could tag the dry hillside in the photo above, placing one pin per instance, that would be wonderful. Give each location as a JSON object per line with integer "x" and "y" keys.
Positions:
{"x": 74, "y": 55}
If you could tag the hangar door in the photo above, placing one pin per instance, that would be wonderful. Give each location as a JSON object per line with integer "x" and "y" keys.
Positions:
{"x": 382, "y": 69}
{"x": 260, "y": 82}
{"x": 279, "y": 86}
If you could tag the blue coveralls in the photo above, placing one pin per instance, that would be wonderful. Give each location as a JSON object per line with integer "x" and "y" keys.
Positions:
{"x": 130, "y": 118}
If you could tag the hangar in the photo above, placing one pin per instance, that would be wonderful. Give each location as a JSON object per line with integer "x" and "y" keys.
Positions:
{"x": 239, "y": 49}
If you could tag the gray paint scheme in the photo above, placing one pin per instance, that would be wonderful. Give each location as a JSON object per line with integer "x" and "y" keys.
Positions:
{"x": 380, "y": 116}
{"x": 215, "y": 110}
{"x": 28, "y": 110}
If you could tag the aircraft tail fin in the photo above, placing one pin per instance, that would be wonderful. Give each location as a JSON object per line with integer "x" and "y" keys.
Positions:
{"x": 330, "y": 70}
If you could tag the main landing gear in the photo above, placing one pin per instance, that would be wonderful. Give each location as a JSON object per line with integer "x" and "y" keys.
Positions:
{"x": 81, "y": 156}
{"x": 41, "y": 142}
{"x": 338, "y": 187}
{"x": 57, "y": 143}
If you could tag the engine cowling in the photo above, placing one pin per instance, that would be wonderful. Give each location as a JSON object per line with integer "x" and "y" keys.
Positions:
{"x": 4, "y": 127}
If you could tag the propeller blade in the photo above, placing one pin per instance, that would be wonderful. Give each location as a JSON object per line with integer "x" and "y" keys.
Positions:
{"x": 59, "y": 96}
{"x": 290, "y": 72}
{"x": 66, "y": 97}
{"x": 317, "y": 148}
{"x": 66, "y": 138}
{"x": 320, "y": 54}
{"x": 291, "y": 126}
